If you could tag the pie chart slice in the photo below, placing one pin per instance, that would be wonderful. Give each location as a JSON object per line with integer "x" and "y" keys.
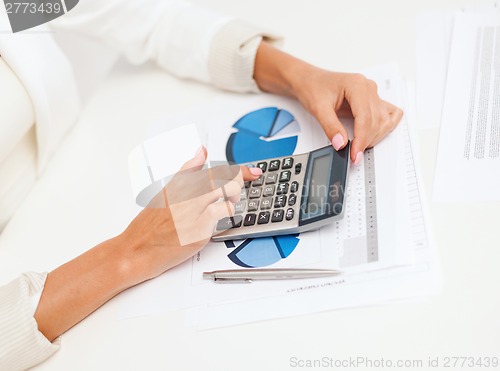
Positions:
{"x": 254, "y": 139}
{"x": 258, "y": 122}
{"x": 284, "y": 119}
{"x": 262, "y": 252}
{"x": 243, "y": 147}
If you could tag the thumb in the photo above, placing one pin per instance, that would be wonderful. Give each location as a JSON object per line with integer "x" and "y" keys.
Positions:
{"x": 333, "y": 128}
{"x": 197, "y": 162}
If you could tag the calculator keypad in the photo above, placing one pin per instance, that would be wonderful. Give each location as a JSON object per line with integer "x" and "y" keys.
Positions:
{"x": 269, "y": 201}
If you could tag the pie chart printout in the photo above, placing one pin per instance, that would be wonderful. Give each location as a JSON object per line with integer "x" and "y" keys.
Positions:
{"x": 261, "y": 252}
{"x": 254, "y": 141}
{"x": 260, "y": 135}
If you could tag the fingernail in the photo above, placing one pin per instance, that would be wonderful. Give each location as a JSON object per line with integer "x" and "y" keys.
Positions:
{"x": 338, "y": 141}
{"x": 359, "y": 158}
{"x": 256, "y": 171}
{"x": 199, "y": 151}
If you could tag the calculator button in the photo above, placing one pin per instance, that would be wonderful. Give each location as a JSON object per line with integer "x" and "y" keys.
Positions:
{"x": 271, "y": 178}
{"x": 295, "y": 187}
{"x": 268, "y": 191}
{"x": 253, "y": 205}
{"x": 254, "y": 193}
{"x": 282, "y": 189}
{"x": 266, "y": 204}
{"x": 298, "y": 168}
{"x": 264, "y": 217}
{"x": 258, "y": 182}
{"x": 243, "y": 194}
{"x": 262, "y": 166}
{"x": 291, "y": 200}
{"x": 285, "y": 176}
{"x": 289, "y": 214}
{"x": 250, "y": 220}
{"x": 224, "y": 224}
{"x": 278, "y": 215}
{"x": 239, "y": 207}
{"x": 237, "y": 219}
{"x": 228, "y": 223}
{"x": 287, "y": 163}
{"x": 280, "y": 201}
{"x": 274, "y": 165}
{"x": 247, "y": 184}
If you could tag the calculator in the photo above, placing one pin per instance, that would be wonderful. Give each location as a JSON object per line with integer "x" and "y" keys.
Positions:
{"x": 294, "y": 194}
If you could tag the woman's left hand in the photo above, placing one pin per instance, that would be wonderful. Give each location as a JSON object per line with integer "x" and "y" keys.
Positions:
{"x": 327, "y": 96}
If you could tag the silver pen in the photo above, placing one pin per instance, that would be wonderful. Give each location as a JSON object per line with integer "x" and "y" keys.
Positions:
{"x": 249, "y": 275}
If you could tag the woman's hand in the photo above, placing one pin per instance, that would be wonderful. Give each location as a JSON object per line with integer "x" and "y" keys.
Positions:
{"x": 180, "y": 220}
{"x": 177, "y": 223}
{"x": 328, "y": 95}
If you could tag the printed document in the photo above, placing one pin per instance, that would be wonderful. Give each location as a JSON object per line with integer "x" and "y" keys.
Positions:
{"x": 468, "y": 162}
{"x": 381, "y": 239}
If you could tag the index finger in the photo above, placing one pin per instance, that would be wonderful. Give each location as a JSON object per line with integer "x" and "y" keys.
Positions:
{"x": 365, "y": 130}
{"x": 250, "y": 173}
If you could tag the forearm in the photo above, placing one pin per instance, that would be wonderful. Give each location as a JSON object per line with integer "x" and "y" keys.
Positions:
{"x": 148, "y": 247}
{"x": 278, "y": 72}
{"x": 79, "y": 287}
{"x": 170, "y": 33}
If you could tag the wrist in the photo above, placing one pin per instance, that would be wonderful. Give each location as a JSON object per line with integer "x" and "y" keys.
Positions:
{"x": 278, "y": 72}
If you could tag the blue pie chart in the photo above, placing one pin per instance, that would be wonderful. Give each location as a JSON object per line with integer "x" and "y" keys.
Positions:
{"x": 261, "y": 252}
{"x": 253, "y": 141}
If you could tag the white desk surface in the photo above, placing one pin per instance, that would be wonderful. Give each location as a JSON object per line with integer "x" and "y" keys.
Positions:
{"x": 84, "y": 198}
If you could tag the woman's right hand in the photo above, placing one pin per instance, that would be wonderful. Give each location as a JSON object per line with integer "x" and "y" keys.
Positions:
{"x": 177, "y": 223}
{"x": 180, "y": 220}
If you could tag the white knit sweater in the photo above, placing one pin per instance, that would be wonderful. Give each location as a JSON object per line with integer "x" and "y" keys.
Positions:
{"x": 186, "y": 40}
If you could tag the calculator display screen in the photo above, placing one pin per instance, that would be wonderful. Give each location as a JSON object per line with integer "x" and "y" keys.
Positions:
{"x": 318, "y": 186}
{"x": 324, "y": 183}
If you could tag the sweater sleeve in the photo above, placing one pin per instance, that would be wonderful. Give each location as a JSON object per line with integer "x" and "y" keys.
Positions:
{"x": 187, "y": 40}
{"x": 21, "y": 344}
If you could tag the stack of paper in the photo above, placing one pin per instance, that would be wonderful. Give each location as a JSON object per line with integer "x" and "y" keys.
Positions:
{"x": 458, "y": 86}
{"x": 382, "y": 244}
